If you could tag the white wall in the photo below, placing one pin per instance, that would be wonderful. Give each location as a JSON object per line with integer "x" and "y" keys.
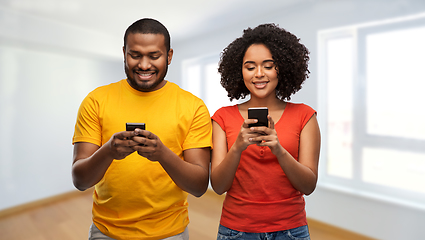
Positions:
{"x": 366, "y": 215}
{"x": 46, "y": 69}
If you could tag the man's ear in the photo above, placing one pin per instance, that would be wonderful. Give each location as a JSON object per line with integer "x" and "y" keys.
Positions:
{"x": 170, "y": 56}
{"x": 123, "y": 51}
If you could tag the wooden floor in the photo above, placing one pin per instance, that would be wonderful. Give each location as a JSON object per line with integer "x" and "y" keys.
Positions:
{"x": 68, "y": 217}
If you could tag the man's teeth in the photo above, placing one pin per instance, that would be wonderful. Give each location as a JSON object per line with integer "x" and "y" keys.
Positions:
{"x": 145, "y": 74}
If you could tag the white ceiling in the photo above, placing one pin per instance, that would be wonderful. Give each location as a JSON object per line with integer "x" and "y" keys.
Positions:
{"x": 183, "y": 18}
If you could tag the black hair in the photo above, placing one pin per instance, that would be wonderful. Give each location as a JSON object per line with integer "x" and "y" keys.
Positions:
{"x": 146, "y": 26}
{"x": 290, "y": 56}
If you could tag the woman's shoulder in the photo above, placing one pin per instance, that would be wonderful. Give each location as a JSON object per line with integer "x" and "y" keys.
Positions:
{"x": 226, "y": 114}
{"x": 227, "y": 109}
{"x": 299, "y": 107}
{"x": 299, "y": 113}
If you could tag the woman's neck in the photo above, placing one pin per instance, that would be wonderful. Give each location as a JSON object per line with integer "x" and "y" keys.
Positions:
{"x": 270, "y": 103}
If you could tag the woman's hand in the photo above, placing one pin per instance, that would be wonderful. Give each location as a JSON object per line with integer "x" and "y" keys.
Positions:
{"x": 268, "y": 138}
{"x": 247, "y": 134}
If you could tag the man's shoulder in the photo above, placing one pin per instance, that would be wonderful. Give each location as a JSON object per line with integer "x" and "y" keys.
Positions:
{"x": 181, "y": 92}
{"x": 107, "y": 88}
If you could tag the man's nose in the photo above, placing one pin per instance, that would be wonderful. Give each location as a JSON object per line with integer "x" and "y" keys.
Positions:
{"x": 144, "y": 63}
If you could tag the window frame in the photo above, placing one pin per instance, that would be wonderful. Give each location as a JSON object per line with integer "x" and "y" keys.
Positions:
{"x": 361, "y": 138}
{"x": 204, "y": 62}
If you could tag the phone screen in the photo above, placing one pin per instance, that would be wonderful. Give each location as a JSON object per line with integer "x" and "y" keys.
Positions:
{"x": 259, "y": 113}
{"x": 133, "y": 126}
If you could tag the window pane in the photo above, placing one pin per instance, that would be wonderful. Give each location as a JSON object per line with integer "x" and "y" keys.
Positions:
{"x": 215, "y": 94}
{"x": 395, "y": 83}
{"x": 400, "y": 169}
{"x": 193, "y": 83}
{"x": 340, "y": 88}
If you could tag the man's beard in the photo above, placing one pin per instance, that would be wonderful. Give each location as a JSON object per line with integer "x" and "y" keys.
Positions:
{"x": 144, "y": 87}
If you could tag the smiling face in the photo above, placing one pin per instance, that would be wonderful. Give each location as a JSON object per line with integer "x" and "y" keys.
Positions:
{"x": 146, "y": 61}
{"x": 259, "y": 72}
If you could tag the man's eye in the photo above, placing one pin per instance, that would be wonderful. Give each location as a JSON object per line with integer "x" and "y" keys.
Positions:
{"x": 134, "y": 56}
{"x": 155, "y": 57}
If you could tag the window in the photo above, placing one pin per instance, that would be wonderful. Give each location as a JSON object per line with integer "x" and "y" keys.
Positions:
{"x": 201, "y": 77}
{"x": 372, "y": 103}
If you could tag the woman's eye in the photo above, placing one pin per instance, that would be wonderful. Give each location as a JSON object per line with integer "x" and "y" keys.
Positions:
{"x": 250, "y": 68}
{"x": 269, "y": 66}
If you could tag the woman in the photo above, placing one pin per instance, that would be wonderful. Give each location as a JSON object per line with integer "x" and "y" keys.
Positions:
{"x": 265, "y": 170}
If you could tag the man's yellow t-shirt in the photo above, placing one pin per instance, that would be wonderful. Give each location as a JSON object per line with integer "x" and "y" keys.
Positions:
{"x": 136, "y": 198}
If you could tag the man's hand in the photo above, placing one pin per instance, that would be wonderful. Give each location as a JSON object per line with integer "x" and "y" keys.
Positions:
{"x": 122, "y": 144}
{"x": 148, "y": 145}
{"x": 91, "y": 161}
{"x": 191, "y": 175}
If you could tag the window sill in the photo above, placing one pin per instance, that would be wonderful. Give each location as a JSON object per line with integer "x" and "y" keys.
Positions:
{"x": 415, "y": 204}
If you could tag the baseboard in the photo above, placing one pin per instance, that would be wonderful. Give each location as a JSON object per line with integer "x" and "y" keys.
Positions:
{"x": 343, "y": 233}
{"x": 313, "y": 223}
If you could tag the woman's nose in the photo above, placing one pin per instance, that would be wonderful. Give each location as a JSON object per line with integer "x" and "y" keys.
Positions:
{"x": 259, "y": 72}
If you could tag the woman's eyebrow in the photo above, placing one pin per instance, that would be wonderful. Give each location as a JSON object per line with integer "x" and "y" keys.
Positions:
{"x": 265, "y": 61}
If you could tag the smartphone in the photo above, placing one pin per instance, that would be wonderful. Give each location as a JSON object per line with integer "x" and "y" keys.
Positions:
{"x": 259, "y": 113}
{"x": 132, "y": 126}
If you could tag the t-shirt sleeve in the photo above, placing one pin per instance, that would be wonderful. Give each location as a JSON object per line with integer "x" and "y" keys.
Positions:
{"x": 87, "y": 127}
{"x": 218, "y": 117}
{"x": 200, "y": 132}
{"x": 306, "y": 113}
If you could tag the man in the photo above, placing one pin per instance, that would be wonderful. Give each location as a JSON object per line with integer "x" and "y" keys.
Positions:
{"x": 142, "y": 177}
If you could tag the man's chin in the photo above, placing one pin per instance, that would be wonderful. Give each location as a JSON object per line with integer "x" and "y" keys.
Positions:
{"x": 144, "y": 86}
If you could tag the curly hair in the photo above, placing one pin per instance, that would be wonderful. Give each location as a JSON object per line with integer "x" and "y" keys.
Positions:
{"x": 290, "y": 57}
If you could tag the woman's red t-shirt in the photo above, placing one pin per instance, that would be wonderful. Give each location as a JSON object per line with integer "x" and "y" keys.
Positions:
{"x": 261, "y": 198}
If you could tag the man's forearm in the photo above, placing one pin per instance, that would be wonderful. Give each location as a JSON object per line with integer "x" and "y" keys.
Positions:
{"x": 86, "y": 172}
{"x": 190, "y": 175}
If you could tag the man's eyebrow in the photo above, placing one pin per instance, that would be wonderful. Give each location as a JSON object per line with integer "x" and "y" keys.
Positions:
{"x": 150, "y": 53}
{"x": 155, "y": 52}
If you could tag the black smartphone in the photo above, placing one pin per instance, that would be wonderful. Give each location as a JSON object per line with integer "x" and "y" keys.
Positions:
{"x": 259, "y": 113}
{"x": 132, "y": 126}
